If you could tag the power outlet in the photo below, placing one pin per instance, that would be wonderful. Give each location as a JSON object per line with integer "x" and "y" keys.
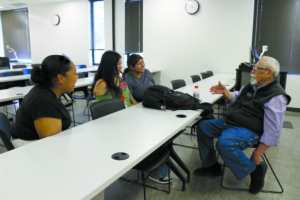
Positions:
{"x": 265, "y": 48}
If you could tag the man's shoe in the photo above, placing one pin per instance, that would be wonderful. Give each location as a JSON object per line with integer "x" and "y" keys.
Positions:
{"x": 163, "y": 180}
{"x": 258, "y": 178}
{"x": 214, "y": 170}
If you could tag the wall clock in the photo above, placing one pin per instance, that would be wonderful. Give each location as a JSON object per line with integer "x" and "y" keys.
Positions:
{"x": 192, "y": 6}
{"x": 55, "y": 19}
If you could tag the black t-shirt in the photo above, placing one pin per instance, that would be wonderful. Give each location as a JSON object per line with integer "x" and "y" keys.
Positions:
{"x": 40, "y": 102}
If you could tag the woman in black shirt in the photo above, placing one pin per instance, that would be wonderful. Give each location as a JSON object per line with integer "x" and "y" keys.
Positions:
{"x": 41, "y": 114}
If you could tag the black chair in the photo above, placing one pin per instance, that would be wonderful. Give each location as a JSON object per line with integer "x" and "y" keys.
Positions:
{"x": 26, "y": 71}
{"x": 106, "y": 107}
{"x": 155, "y": 159}
{"x": 18, "y": 66}
{"x": 81, "y": 67}
{"x": 35, "y": 65}
{"x": 15, "y": 83}
{"x": 178, "y": 83}
{"x": 68, "y": 103}
{"x": 5, "y": 133}
{"x": 13, "y": 73}
{"x": 195, "y": 78}
{"x": 266, "y": 191}
{"x": 210, "y": 73}
{"x": 204, "y": 75}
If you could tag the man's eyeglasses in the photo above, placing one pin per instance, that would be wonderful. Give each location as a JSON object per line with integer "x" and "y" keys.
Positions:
{"x": 257, "y": 68}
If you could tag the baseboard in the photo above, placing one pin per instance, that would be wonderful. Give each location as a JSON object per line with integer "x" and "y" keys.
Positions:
{"x": 293, "y": 109}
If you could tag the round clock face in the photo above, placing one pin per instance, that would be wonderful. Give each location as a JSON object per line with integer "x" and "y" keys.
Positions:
{"x": 55, "y": 19}
{"x": 192, "y": 6}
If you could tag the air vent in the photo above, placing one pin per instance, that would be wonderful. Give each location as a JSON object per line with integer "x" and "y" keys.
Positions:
{"x": 18, "y": 4}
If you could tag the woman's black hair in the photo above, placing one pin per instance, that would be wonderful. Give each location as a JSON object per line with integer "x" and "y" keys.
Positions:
{"x": 108, "y": 71}
{"x": 50, "y": 68}
{"x": 131, "y": 61}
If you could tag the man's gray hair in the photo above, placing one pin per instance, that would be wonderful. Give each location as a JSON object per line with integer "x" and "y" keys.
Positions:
{"x": 271, "y": 63}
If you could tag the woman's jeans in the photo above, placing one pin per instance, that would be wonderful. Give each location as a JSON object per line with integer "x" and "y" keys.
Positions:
{"x": 230, "y": 145}
{"x": 160, "y": 171}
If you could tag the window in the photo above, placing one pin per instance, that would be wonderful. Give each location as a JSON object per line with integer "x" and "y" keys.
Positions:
{"x": 16, "y": 35}
{"x": 97, "y": 32}
{"x": 276, "y": 24}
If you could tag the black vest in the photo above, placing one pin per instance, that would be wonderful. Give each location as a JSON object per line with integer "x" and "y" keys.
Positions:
{"x": 248, "y": 112}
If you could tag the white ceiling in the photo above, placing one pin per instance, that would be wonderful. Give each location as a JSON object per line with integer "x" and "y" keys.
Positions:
{"x": 8, "y": 4}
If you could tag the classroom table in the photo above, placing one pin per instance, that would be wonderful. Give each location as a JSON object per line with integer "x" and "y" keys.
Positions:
{"x": 77, "y": 163}
{"x": 17, "y": 93}
{"x": 27, "y": 77}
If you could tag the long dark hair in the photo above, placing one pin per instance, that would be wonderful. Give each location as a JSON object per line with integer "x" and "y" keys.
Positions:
{"x": 108, "y": 71}
{"x": 131, "y": 61}
{"x": 50, "y": 68}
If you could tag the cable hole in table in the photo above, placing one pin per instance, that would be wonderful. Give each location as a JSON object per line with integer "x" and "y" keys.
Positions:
{"x": 181, "y": 116}
{"x": 120, "y": 156}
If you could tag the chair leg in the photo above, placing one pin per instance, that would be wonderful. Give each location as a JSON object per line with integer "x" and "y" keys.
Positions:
{"x": 266, "y": 159}
{"x": 265, "y": 191}
{"x": 177, "y": 172}
{"x": 177, "y": 159}
{"x": 144, "y": 180}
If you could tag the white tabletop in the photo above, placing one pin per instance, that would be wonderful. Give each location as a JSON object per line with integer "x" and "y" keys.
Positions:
{"x": 204, "y": 85}
{"x": 77, "y": 163}
{"x": 19, "y": 92}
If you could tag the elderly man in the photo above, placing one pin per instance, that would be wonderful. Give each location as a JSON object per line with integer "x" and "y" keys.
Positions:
{"x": 255, "y": 117}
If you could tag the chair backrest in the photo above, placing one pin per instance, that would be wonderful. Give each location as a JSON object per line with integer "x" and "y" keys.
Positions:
{"x": 26, "y": 71}
{"x": 18, "y": 66}
{"x": 204, "y": 75}
{"x": 210, "y": 73}
{"x": 80, "y": 66}
{"x": 36, "y": 65}
{"x": 13, "y": 73}
{"x": 4, "y": 63}
{"x": 5, "y": 134}
{"x": 81, "y": 75}
{"x": 195, "y": 78}
{"x": 106, "y": 107}
{"x": 178, "y": 83}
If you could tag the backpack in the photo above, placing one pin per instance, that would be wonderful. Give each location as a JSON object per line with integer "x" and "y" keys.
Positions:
{"x": 161, "y": 97}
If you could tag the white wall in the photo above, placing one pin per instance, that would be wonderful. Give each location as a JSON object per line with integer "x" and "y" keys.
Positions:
{"x": 292, "y": 89}
{"x": 71, "y": 36}
{"x": 216, "y": 38}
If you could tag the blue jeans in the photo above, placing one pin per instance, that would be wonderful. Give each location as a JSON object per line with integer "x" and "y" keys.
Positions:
{"x": 160, "y": 171}
{"x": 230, "y": 145}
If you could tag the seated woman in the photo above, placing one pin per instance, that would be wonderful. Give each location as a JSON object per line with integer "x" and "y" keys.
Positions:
{"x": 107, "y": 82}
{"x": 40, "y": 113}
{"x": 139, "y": 78}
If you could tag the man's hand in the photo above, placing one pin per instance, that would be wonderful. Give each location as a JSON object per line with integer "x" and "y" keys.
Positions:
{"x": 221, "y": 89}
{"x": 258, "y": 152}
{"x": 255, "y": 158}
{"x": 218, "y": 89}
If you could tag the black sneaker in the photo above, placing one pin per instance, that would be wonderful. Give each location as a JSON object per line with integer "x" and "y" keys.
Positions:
{"x": 214, "y": 170}
{"x": 258, "y": 178}
{"x": 163, "y": 180}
